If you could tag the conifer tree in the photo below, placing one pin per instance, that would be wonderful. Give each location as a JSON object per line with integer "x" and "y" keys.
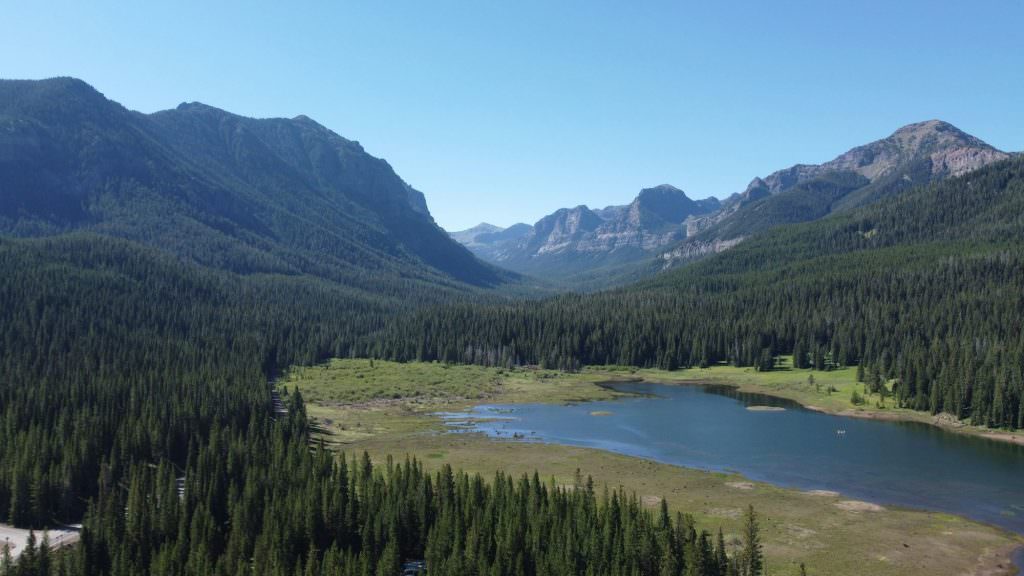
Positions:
{"x": 752, "y": 559}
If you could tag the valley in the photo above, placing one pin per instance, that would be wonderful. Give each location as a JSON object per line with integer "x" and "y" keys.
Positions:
{"x": 362, "y": 406}
{"x": 161, "y": 268}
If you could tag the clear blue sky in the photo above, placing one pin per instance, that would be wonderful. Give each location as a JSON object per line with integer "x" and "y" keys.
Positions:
{"x": 506, "y": 111}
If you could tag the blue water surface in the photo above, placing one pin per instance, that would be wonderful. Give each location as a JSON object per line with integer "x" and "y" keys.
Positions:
{"x": 896, "y": 463}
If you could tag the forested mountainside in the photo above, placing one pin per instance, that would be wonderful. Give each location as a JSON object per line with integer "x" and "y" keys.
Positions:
{"x": 158, "y": 270}
{"x": 572, "y": 244}
{"x": 585, "y": 249}
{"x": 271, "y": 196}
{"x": 135, "y": 398}
{"x": 913, "y": 155}
{"x": 113, "y": 352}
{"x": 925, "y": 289}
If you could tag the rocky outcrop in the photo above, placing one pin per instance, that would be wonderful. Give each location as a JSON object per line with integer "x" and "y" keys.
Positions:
{"x": 951, "y": 152}
{"x": 664, "y": 222}
{"x": 562, "y": 230}
{"x": 914, "y": 154}
{"x": 574, "y": 239}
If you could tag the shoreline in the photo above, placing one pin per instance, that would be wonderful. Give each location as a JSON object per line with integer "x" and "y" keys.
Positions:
{"x": 1003, "y": 561}
{"x": 989, "y": 561}
{"x": 960, "y": 428}
{"x": 802, "y": 520}
{"x": 887, "y": 415}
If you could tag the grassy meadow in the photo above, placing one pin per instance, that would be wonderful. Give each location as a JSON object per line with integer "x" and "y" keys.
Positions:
{"x": 388, "y": 409}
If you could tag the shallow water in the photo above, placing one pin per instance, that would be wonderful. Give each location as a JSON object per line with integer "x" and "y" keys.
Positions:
{"x": 710, "y": 427}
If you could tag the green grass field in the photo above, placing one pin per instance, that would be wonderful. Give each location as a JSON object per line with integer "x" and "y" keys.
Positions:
{"x": 830, "y": 390}
{"x": 357, "y": 380}
{"x": 388, "y": 409}
{"x": 357, "y": 399}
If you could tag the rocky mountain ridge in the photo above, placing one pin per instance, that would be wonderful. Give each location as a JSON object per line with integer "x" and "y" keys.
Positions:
{"x": 662, "y": 222}
{"x": 914, "y": 154}
{"x": 573, "y": 239}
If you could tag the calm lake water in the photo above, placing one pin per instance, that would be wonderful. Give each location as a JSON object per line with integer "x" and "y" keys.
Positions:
{"x": 710, "y": 427}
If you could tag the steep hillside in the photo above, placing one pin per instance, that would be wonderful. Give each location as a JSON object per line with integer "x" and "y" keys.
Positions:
{"x": 158, "y": 269}
{"x": 249, "y": 196}
{"x": 913, "y": 155}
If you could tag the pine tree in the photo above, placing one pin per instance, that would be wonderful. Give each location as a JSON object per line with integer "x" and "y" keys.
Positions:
{"x": 752, "y": 559}
{"x": 720, "y": 554}
{"x": 6, "y": 560}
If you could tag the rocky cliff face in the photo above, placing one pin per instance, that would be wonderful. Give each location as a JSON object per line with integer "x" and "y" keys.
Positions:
{"x": 562, "y": 230}
{"x": 914, "y": 154}
{"x": 574, "y": 239}
{"x": 950, "y": 152}
{"x": 663, "y": 222}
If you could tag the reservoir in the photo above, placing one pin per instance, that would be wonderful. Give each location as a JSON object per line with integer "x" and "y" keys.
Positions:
{"x": 713, "y": 428}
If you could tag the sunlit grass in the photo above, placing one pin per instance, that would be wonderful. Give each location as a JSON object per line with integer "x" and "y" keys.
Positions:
{"x": 389, "y": 409}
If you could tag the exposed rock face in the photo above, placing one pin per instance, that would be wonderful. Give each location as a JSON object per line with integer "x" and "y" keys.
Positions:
{"x": 951, "y": 151}
{"x": 663, "y": 222}
{"x": 692, "y": 250}
{"x": 563, "y": 229}
{"x": 574, "y": 239}
{"x": 914, "y": 154}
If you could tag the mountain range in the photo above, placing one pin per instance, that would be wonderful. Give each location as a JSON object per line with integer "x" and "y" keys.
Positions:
{"x": 289, "y": 197}
{"x": 913, "y": 155}
{"x": 663, "y": 228}
{"x": 576, "y": 240}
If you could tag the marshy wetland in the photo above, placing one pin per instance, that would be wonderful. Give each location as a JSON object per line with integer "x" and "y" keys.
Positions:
{"x": 390, "y": 409}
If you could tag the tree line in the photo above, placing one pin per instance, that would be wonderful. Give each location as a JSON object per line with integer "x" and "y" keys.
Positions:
{"x": 926, "y": 289}
{"x": 260, "y": 501}
{"x": 135, "y": 399}
{"x": 124, "y": 367}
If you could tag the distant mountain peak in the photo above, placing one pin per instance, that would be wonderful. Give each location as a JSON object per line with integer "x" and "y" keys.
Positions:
{"x": 949, "y": 150}
{"x": 929, "y": 126}
{"x": 934, "y": 134}
{"x": 58, "y": 84}
{"x": 572, "y": 240}
{"x": 189, "y": 106}
{"x": 661, "y": 206}
{"x": 912, "y": 155}
{"x": 469, "y": 235}
{"x": 661, "y": 189}
{"x": 69, "y": 84}
{"x": 486, "y": 227}
{"x": 69, "y": 98}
